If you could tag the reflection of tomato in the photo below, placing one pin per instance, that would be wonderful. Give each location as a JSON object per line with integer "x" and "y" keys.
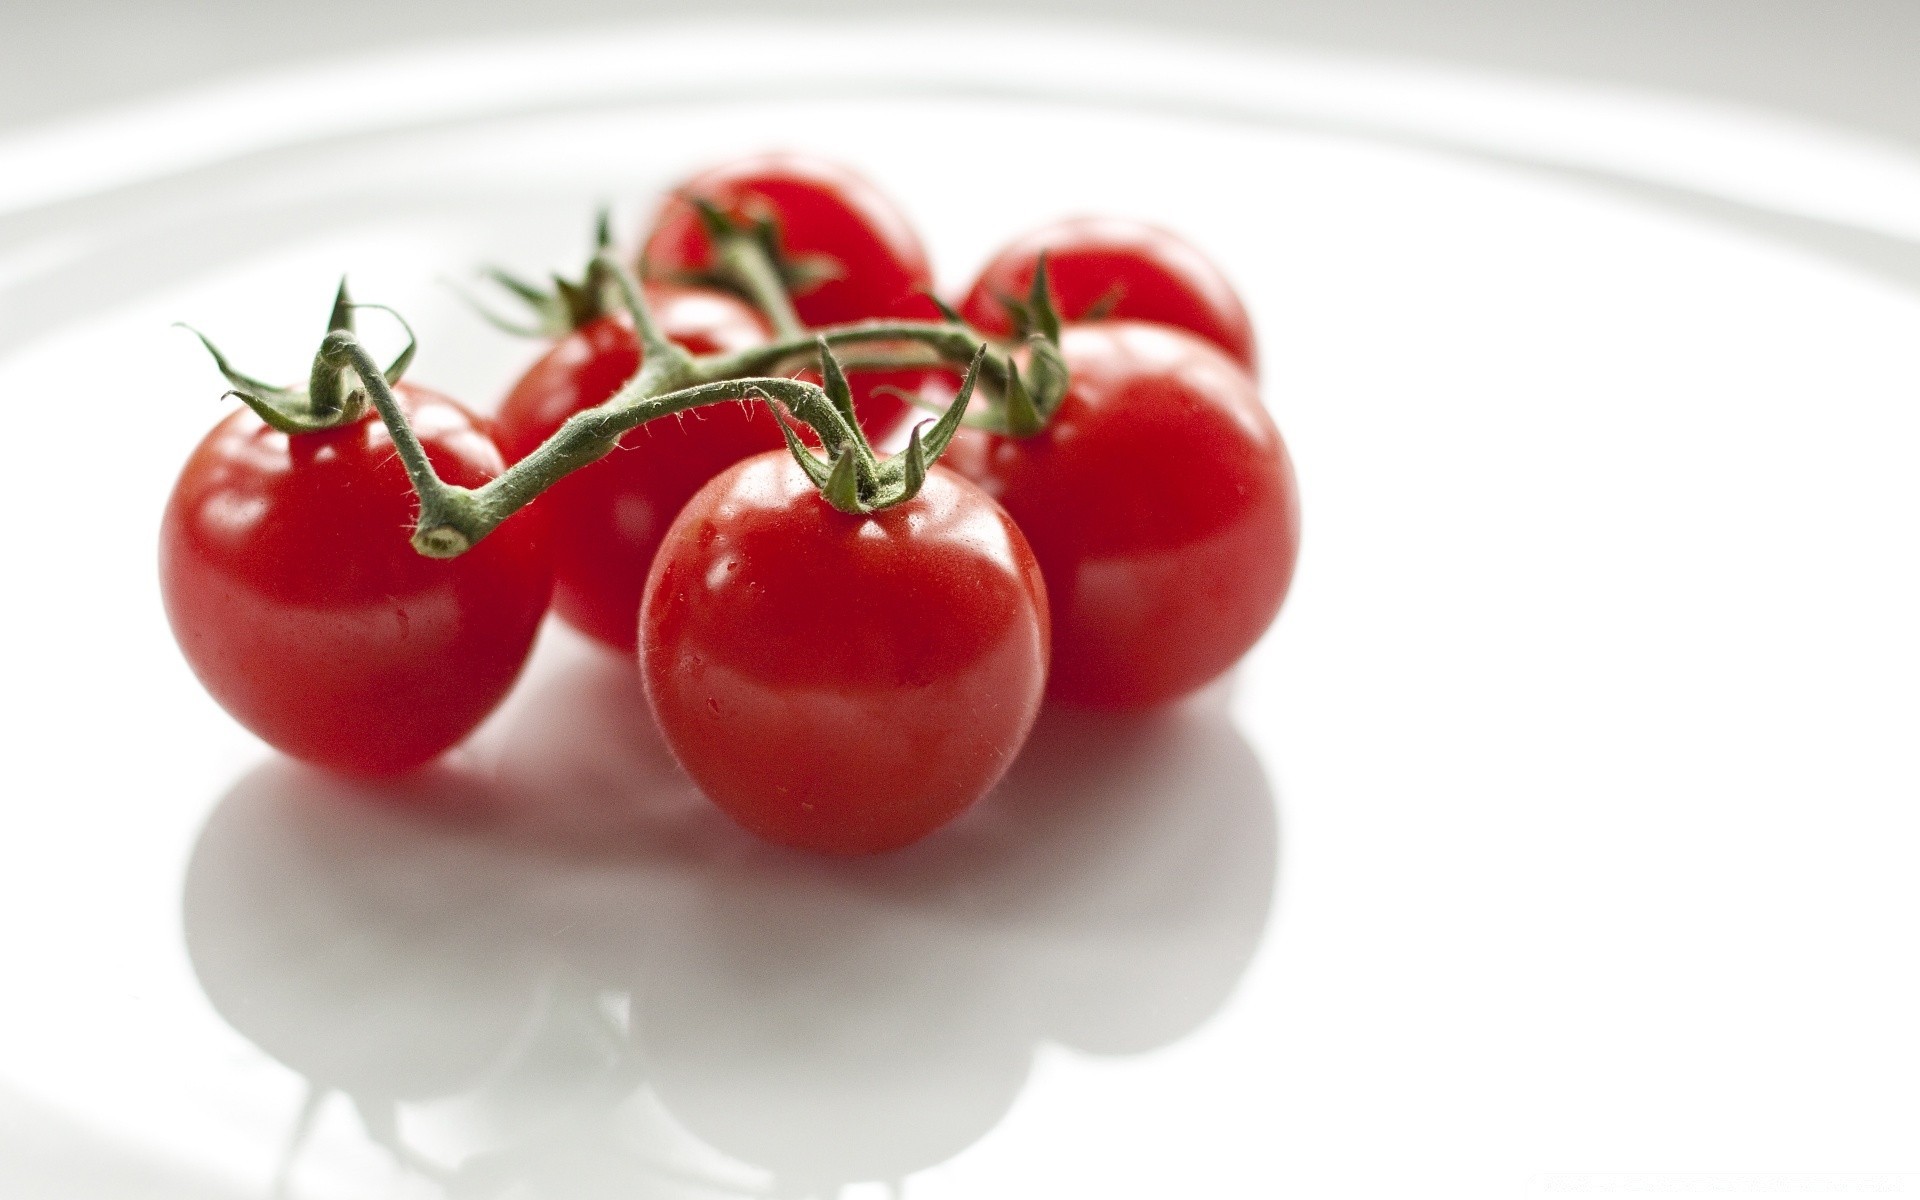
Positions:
{"x": 842, "y": 683}
{"x": 606, "y": 520}
{"x": 1104, "y": 267}
{"x": 368, "y": 949}
{"x": 299, "y": 603}
{"x": 851, "y": 255}
{"x": 1161, "y": 505}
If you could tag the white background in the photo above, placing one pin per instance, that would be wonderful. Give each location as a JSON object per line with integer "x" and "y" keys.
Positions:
{"x": 1560, "y": 834}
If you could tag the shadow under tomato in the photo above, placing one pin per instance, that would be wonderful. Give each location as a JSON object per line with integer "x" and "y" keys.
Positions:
{"x": 557, "y": 952}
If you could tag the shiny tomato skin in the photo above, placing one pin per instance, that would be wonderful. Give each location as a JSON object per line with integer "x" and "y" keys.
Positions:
{"x": 1162, "y": 507}
{"x": 836, "y": 683}
{"x": 605, "y": 521}
{"x": 824, "y": 211}
{"x": 297, "y": 599}
{"x": 1131, "y": 270}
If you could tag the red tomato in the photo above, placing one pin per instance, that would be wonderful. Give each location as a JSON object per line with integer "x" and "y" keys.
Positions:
{"x": 605, "y": 521}
{"x": 833, "y": 223}
{"x": 1103, "y": 267}
{"x": 297, "y": 600}
{"x": 1161, "y": 506}
{"x": 839, "y": 683}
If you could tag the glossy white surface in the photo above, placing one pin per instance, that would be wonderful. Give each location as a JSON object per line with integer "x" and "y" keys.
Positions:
{"x": 1564, "y": 824}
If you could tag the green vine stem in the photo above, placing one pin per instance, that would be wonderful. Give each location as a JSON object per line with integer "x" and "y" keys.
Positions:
{"x": 747, "y": 263}
{"x": 453, "y": 519}
{"x": 748, "y": 258}
{"x": 954, "y": 344}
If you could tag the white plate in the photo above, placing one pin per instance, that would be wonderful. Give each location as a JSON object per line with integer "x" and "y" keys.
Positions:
{"x": 1560, "y": 836}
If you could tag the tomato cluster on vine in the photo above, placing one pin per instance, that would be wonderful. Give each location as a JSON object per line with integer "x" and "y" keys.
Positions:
{"x": 844, "y": 650}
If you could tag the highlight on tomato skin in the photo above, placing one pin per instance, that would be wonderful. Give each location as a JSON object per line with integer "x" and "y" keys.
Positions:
{"x": 837, "y": 683}
{"x": 297, "y": 600}
{"x": 1162, "y": 507}
{"x": 605, "y": 522}
{"x": 1112, "y": 268}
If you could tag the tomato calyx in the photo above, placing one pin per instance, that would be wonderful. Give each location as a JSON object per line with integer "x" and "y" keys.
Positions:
{"x": 751, "y": 261}
{"x": 852, "y": 477}
{"x": 1028, "y": 399}
{"x": 570, "y": 304}
{"x": 332, "y": 397}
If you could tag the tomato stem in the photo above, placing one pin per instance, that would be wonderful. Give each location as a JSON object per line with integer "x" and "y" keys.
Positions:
{"x": 747, "y": 258}
{"x": 453, "y": 519}
{"x": 892, "y": 343}
{"x": 663, "y": 365}
{"x": 744, "y": 258}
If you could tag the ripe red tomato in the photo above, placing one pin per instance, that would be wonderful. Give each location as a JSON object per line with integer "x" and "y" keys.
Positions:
{"x": 297, "y": 600}
{"x": 605, "y": 521}
{"x": 846, "y": 684}
{"x": 1161, "y": 506}
{"x": 862, "y": 257}
{"x": 1105, "y": 267}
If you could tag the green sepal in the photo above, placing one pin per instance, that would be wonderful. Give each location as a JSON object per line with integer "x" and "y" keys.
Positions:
{"x": 242, "y": 383}
{"x": 404, "y": 359}
{"x": 1024, "y": 418}
{"x": 582, "y": 303}
{"x": 1104, "y": 304}
{"x": 838, "y": 390}
{"x": 1046, "y": 375}
{"x": 713, "y": 218}
{"x": 1018, "y": 314}
{"x": 951, "y": 420}
{"x": 913, "y": 465}
{"x": 802, "y": 273}
{"x": 947, "y": 311}
{"x": 328, "y": 401}
{"x": 566, "y": 306}
{"x": 852, "y": 482}
{"x": 815, "y": 469}
{"x": 842, "y": 488}
{"x": 341, "y": 318}
{"x": 1036, "y": 314}
{"x": 901, "y": 477}
{"x": 503, "y": 324}
{"x": 799, "y": 273}
{"x": 1042, "y": 318}
{"x": 330, "y": 390}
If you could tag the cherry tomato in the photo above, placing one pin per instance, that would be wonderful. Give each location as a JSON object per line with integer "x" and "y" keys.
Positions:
{"x": 1161, "y": 506}
{"x": 1105, "y": 267}
{"x": 838, "y": 683}
{"x": 300, "y": 604}
{"x": 862, "y": 257}
{"x": 605, "y": 521}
